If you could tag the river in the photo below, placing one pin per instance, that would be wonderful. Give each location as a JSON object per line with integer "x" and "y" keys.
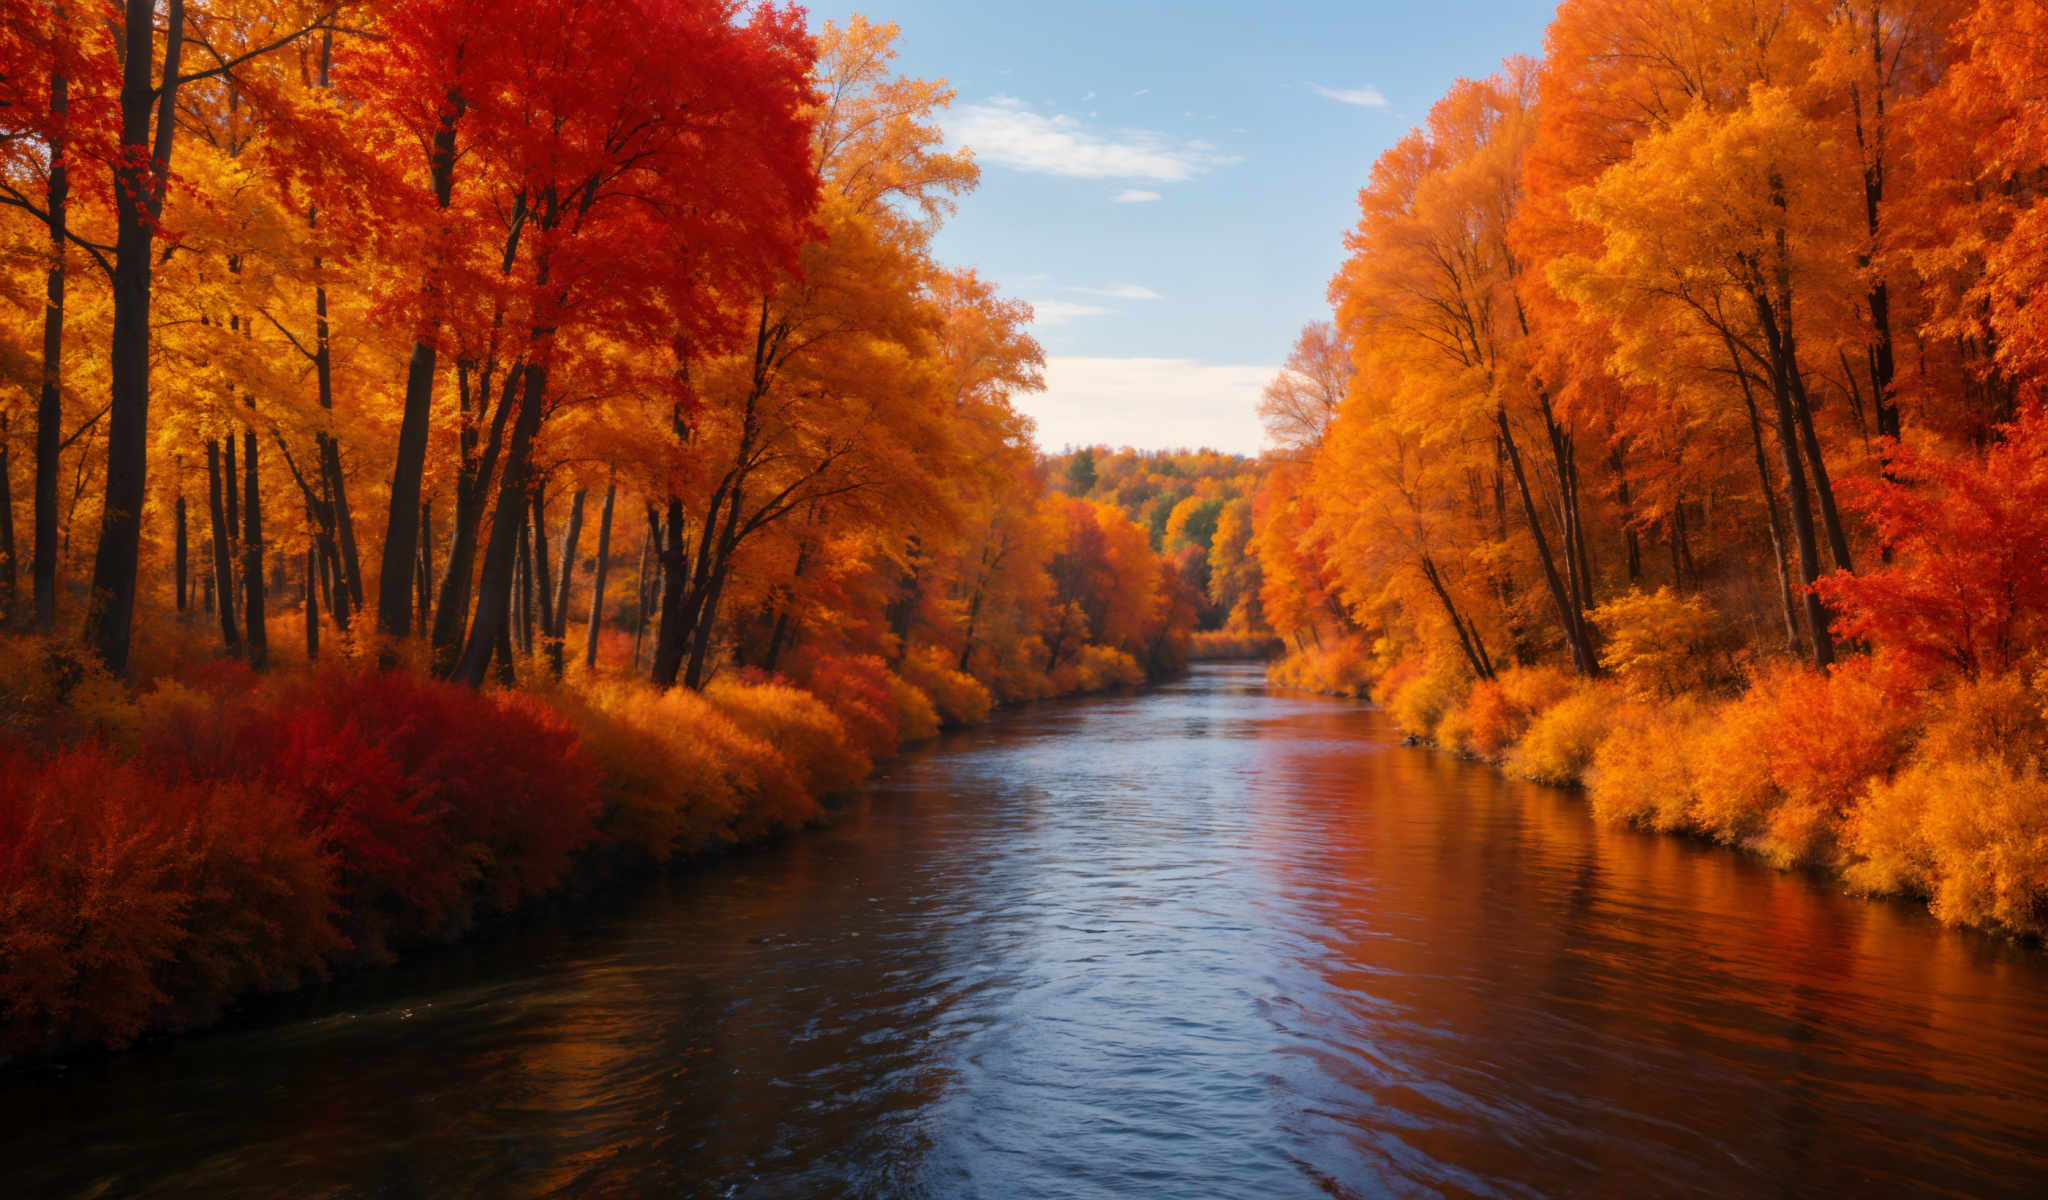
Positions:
{"x": 1205, "y": 940}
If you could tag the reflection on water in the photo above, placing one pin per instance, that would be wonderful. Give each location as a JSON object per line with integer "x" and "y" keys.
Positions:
{"x": 1202, "y": 941}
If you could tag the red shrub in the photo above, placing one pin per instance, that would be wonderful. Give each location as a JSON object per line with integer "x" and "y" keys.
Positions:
{"x": 128, "y": 902}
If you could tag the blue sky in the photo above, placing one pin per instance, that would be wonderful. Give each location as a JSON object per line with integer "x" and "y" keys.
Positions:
{"x": 1170, "y": 184}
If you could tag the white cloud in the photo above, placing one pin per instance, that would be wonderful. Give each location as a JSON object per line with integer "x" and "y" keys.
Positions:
{"x": 1056, "y": 312}
{"x": 1142, "y": 92}
{"x": 1007, "y": 132}
{"x": 1122, "y": 291}
{"x": 1090, "y": 96}
{"x": 1134, "y": 196}
{"x": 1363, "y": 97}
{"x": 1150, "y": 403}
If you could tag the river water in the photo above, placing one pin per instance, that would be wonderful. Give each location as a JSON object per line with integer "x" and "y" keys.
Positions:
{"x": 1207, "y": 940}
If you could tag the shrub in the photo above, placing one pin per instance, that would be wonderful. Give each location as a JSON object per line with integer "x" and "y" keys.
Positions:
{"x": 53, "y": 690}
{"x": 1998, "y": 715}
{"x": 1097, "y": 668}
{"x": 959, "y": 697}
{"x": 127, "y": 902}
{"x": 1655, "y": 644}
{"x": 434, "y": 800}
{"x": 917, "y": 718}
{"x": 857, "y": 690}
{"x": 1562, "y": 740}
{"x": 1729, "y": 757}
{"x": 1341, "y": 667}
{"x": 1499, "y": 711}
{"x": 1972, "y": 836}
{"x": 668, "y": 781}
{"x": 1417, "y": 697}
{"x": 798, "y": 727}
{"x": 1641, "y": 772}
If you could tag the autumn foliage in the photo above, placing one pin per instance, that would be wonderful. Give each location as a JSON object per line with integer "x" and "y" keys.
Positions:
{"x": 465, "y": 450}
{"x": 1680, "y": 433}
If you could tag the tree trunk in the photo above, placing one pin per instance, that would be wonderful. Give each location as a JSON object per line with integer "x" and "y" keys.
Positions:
{"x": 221, "y": 581}
{"x": 394, "y": 603}
{"x": 641, "y": 597}
{"x": 558, "y": 618}
{"x": 178, "y": 553}
{"x": 252, "y": 556}
{"x": 425, "y": 560}
{"x": 671, "y": 633}
{"x": 603, "y": 566}
{"x": 7, "y": 571}
{"x": 1818, "y": 634}
{"x": 49, "y": 403}
{"x": 312, "y": 604}
{"x": 522, "y": 595}
{"x": 494, "y": 586}
{"x": 1468, "y": 638}
{"x": 110, "y": 609}
{"x": 1770, "y": 493}
{"x": 1572, "y": 622}
{"x": 472, "y": 489}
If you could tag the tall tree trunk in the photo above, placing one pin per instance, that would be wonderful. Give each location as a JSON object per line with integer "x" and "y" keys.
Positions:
{"x": 1831, "y": 518}
{"x": 603, "y": 567}
{"x": 472, "y": 489}
{"x": 425, "y": 560}
{"x": 522, "y": 594}
{"x": 494, "y": 585}
{"x": 49, "y": 403}
{"x": 1818, "y": 634}
{"x": 1770, "y": 492}
{"x": 643, "y": 597}
{"x": 558, "y": 619}
{"x": 394, "y": 602}
{"x": 312, "y": 603}
{"x": 252, "y": 556}
{"x": 671, "y": 634}
{"x": 1572, "y": 622}
{"x": 7, "y": 572}
{"x": 139, "y": 176}
{"x": 221, "y": 581}
{"x": 178, "y": 553}
{"x": 1468, "y": 638}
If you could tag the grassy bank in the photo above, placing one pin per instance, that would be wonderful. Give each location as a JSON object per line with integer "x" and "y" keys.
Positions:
{"x": 1892, "y": 784}
{"x": 213, "y": 833}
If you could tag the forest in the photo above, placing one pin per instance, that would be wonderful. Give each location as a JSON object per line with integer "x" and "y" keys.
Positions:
{"x": 452, "y": 454}
{"x": 1679, "y": 433}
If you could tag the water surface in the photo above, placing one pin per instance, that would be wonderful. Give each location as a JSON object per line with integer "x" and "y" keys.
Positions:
{"x": 1206, "y": 940}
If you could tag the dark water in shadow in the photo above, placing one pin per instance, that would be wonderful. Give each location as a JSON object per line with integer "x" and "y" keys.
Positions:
{"x": 1206, "y": 941}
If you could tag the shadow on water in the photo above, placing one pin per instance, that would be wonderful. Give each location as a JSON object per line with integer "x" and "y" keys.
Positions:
{"x": 1204, "y": 940}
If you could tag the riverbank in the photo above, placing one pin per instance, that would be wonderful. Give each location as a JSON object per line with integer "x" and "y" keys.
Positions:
{"x": 1891, "y": 783}
{"x": 216, "y": 833}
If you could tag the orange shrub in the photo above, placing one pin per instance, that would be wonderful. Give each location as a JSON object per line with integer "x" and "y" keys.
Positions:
{"x": 1972, "y": 836}
{"x": 1342, "y": 666}
{"x": 668, "y": 780}
{"x": 1499, "y": 711}
{"x": 917, "y": 718}
{"x": 857, "y": 690}
{"x": 959, "y": 697}
{"x": 1095, "y": 669}
{"x": 1641, "y": 773}
{"x": 1418, "y": 697}
{"x": 54, "y": 690}
{"x": 1561, "y": 742}
{"x": 1998, "y": 715}
{"x": 798, "y": 727}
